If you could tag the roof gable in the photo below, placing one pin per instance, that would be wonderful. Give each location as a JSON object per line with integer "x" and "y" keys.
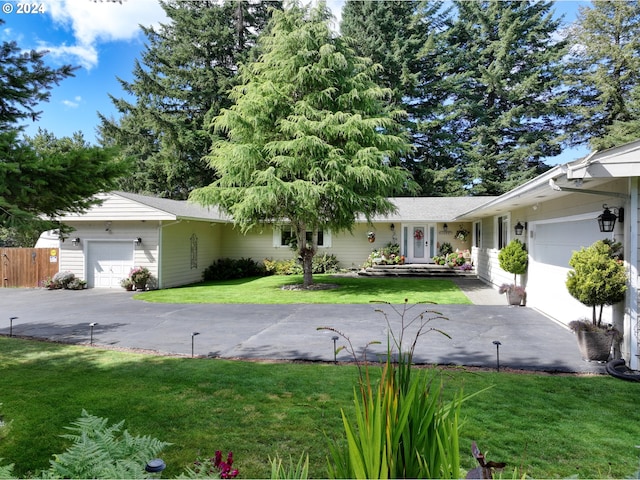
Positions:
{"x": 131, "y": 206}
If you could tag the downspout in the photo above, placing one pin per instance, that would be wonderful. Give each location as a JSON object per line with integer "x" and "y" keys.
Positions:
{"x": 632, "y": 296}
{"x": 160, "y": 242}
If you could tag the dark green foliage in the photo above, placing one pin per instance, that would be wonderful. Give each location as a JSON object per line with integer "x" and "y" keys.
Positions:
{"x": 44, "y": 176}
{"x": 503, "y": 74}
{"x": 514, "y": 258}
{"x": 25, "y": 81}
{"x": 229, "y": 268}
{"x": 598, "y": 277}
{"x": 311, "y": 139}
{"x": 406, "y": 38}
{"x": 603, "y": 74}
{"x": 180, "y": 84}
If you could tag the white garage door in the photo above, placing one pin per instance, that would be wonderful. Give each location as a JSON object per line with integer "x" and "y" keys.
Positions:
{"x": 550, "y": 250}
{"x": 108, "y": 263}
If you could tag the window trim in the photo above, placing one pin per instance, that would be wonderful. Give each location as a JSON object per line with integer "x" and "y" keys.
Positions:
{"x": 503, "y": 221}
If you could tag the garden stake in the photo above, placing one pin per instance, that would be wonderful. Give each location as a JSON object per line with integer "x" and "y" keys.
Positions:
{"x": 193, "y": 335}
{"x": 93, "y": 324}
{"x": 497, "y": 344}
{"x": 335, "y": 354}
{"x": 11, "y": 319}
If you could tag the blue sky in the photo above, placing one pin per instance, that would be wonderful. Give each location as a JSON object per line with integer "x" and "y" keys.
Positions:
{"x": 104, "y": 39}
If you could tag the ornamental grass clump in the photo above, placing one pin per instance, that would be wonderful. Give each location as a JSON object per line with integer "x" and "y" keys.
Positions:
{"x": 402, "y": 427}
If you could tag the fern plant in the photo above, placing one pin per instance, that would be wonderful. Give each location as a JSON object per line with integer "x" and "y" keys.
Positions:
{"x": 103, "y": 451}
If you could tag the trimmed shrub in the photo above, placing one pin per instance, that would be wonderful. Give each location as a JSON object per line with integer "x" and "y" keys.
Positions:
{"x": 229, "y": 268}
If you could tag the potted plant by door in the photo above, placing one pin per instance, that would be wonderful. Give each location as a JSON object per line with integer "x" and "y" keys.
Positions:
{"x": 140, "y": 276}
{"x": 514, "y": 259}
{"x": 598, "y": 278}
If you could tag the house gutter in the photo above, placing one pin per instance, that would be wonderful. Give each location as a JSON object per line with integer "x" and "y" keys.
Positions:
{"x": 536, "y": 183}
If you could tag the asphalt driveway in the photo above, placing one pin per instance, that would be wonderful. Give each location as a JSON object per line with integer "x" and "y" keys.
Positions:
{"x": 528, "y": 339}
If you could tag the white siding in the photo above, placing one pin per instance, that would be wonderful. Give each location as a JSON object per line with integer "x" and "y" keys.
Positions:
{"x": 115, "y": 207}
{"x": 72, "y": 258}
{"x": 178, "y": 266}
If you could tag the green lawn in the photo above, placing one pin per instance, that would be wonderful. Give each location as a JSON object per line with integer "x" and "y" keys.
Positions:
{"x": 268, "y": 290}
{"x": 550, "y": 426}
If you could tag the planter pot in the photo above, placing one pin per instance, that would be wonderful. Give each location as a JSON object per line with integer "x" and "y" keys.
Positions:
{"x": 371, "y": 240}
{"x": 594, "y": 346}
{"x": 514, "y": 298}
{"x": 141, "y": 286}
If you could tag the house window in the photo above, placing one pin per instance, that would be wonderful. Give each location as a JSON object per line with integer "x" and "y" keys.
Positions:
{"x": 502, "y": 231}
{"x": 284, "y": 236}
{"x": 477, "y": 234}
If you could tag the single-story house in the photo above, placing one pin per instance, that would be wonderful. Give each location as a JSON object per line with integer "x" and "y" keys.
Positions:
{"x": 556, "y": 213}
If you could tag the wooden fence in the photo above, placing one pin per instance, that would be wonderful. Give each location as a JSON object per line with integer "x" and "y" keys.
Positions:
{"x": 27, "y": 267}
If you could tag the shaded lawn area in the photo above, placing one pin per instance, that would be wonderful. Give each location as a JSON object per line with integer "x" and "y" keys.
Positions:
{"x": 348, "y": 290}
{"x": 548, "y": 426}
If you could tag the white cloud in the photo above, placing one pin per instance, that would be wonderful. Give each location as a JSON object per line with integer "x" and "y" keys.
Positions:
{"x": 85, "y": 55}
{"x": 75, "y": 103}
{"x": 97, "y": 22}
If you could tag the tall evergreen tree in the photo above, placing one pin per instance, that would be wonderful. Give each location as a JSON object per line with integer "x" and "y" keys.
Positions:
{"x": 311, "y": 136}
{"x": 603, "y": 74}
{"x": 503, "y": 72}
{"x": 405, "y": 37}
{"x": 40, "y": 177}
{"x": 180, "y": 83}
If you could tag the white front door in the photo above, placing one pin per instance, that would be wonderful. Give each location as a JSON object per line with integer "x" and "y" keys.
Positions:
{"x": 108, "y": 262}
{"x": 419, "y": 242}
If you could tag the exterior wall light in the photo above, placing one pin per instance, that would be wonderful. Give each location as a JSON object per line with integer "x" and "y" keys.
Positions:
{"x": 519, "y": 228}
{"x": 75, "y": 241}
{"x": 607, "y": 220}
{"x": 138, "y": 241}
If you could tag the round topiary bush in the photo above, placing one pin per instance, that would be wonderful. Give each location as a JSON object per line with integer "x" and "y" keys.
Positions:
{"x": 514, "y": 259}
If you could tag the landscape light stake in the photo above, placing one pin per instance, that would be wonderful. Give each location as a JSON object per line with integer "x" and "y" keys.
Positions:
{"x": 497, "y": 344}
{"x": 92, "y": 324}
{"x": 11, "y": 319}
{"x": 193, "y": 335}
{"x": 335, "y": 353}
{"x": 156, "y": 465}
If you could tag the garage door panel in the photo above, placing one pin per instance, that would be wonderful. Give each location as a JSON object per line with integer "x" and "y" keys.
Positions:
{"x": 109, "y": 262}
{"x": 551, "y": 248}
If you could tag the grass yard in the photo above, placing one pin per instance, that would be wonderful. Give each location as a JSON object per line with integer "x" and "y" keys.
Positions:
{"x": 349, "y": 290}
{"x": 547, "y": 426}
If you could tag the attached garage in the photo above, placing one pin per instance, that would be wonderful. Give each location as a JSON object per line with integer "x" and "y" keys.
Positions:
{"x": 550, "y": 247}
{"x": 108, "y": 262}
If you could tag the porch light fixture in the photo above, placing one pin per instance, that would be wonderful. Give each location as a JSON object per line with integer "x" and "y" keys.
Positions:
{"x": 445, "y": 227}
{"x": 607, "y": 220}
{"x": 519, "y": 228}
{"x": 75, "y": 241}
{"x": 138, "y": 242}
{"x": 392, "y": 227}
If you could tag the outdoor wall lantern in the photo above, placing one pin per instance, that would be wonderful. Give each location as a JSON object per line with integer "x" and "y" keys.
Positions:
{"x": 75, "y": 241}
{"x": 138, "y": 242}
{"x": 392, "y": 227}
{"x": 607, "y": 220}
{"x": 519, "y": 228}
{"x": 445, "y": 227}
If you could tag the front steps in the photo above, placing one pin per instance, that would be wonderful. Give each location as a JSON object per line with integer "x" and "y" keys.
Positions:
{"x": 415, "y": 270}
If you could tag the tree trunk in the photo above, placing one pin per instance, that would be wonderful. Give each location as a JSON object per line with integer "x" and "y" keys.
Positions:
{"x": 307, "y": 269}
{"x": 306, "y": 251}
